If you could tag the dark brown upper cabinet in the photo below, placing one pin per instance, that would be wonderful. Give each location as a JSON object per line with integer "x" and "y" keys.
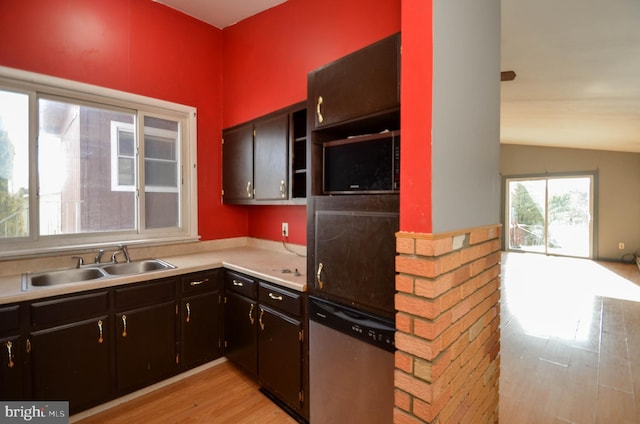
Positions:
{"x": 264, "y": 161}
{"x": 237, "y": 164}
{"x": 364, "y": 83}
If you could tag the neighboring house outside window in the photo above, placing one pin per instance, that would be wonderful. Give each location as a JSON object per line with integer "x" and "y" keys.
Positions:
{"x": 101, "y": 167}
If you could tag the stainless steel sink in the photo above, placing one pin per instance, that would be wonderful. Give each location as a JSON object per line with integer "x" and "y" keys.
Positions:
{"x": 136, "y": 267}
{"x": 54, "y": 278}
{"x": 92, "y": 272}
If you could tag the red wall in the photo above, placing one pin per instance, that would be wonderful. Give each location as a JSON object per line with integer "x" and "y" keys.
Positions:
{"x": 415, "y": 119}
{"x": 137, "y": 46}
{"x": 266, "y": 61}
{"x": 247, "y": 70}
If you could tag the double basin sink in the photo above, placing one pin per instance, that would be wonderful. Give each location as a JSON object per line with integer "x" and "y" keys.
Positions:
{"x": 92, "y": 272}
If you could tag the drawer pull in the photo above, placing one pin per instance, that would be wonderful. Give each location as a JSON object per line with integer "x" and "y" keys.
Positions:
{"x": 9, "y": 345}
{"x": 238, "y": 283}
{"x": 251, "y": 319}
{"x": 197, "y": 283}
{"x": 274, "y": 297}
{"x": 249, "y": 189}
{"x": 124, "y": 323}
{"x": 100, "y": 339}
{"x": 188, "y": 312}
{"x": 260, "y": 320}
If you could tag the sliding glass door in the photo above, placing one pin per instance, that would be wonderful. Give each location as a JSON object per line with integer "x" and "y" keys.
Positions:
{"x": 551, "y": 215}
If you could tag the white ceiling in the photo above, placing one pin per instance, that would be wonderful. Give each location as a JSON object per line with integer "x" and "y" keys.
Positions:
{"x": 221, "y": 13}
{"x": 577, "y": 64}
{"x": 578, "y": 73}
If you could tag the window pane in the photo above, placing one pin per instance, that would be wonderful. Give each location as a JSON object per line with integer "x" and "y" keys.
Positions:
{"x": 14, "y": 165}
{"x": 161, "y": 153}
{"x": 74, "y": 160}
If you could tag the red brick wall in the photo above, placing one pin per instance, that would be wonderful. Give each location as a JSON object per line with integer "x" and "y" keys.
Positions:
{"x": 448, "y": 327}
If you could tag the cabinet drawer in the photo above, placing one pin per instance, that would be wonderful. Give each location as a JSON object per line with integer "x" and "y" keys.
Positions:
{"x": 241, "y": 284}
{"x": 201, "y": 282}
{"x": 69, "y": 309}
{"x": 141, "y": 294}
{"x": 9, "y": 320}
{"x": 287, "y": 301}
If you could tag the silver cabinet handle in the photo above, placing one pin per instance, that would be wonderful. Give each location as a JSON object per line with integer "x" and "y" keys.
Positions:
{"x": 237, "y": 283}
{"x": 249, "y": 189}
{"x": 283, "y": 189}
{"x": 197, "y": 283}
{"x": 188, "y": 305}
{"x": 251, "y": 319}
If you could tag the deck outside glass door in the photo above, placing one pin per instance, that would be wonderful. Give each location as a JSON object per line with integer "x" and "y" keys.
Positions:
{"x": 551, "y": 215}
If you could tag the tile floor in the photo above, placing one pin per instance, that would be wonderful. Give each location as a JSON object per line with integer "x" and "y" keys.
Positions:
{"x": 570, "y": 347}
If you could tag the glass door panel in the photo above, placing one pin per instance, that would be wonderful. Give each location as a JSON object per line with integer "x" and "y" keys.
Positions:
{"x": 527, "y": 212}
{"x": 551, "y": 215}
{"x": 569, "y": 216}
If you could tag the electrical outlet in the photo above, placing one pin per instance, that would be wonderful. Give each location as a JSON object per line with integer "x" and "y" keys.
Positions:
{"x": 621, "y": 246}
{"x": 285, "y": 229}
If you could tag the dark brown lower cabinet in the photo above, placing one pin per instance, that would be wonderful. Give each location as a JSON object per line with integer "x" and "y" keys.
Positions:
{"x": 201, "y": 338}
{"x": 72, "y": 362}
{"x": 12, "y": 368}
{"x": 12, "y": 354}
{"x": 241, "y": 340}
{"x": 264, "y": 335}
{"x": 201, "y": 318}
{"x": 279, "y": 356}
{"x": 145, "y": 346}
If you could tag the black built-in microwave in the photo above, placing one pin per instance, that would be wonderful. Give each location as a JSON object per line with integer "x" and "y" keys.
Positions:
{"x": 362, "y": 164}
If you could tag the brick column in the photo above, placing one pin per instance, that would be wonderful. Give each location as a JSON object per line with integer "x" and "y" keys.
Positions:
{"x": 448, "y": 327}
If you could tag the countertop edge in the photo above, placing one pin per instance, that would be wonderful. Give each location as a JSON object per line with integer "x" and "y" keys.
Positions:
{"x": 274, "y": 267}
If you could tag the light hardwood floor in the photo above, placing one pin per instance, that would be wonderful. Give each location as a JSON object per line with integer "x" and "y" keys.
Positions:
{"x": 570, "y": 345}
{"x": 570, "y": 353}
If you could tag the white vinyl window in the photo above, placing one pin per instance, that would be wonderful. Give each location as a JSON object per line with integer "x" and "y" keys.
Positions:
{"x": 82, "y": 166}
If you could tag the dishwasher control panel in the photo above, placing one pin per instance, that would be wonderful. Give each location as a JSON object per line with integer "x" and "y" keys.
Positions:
{"x": 372, "y": 329}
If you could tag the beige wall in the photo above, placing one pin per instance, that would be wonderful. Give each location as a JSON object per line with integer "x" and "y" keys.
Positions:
{"x": 618, "y": 174}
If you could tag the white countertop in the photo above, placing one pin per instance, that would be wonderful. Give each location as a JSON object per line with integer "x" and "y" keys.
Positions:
{"x": 275, "y": 267}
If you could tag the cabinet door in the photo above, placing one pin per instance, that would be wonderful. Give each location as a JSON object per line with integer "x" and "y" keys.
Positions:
{"x": 145, "y": 346}
{"x": 71, "y": 362}
{"x": 355, "y": 253}
{"x": 12, "y": 368}
{"x": 240, "y": 323}
{"x": 280, "y": 356}
{"x": 237, "y": 163}
{"x": 200, "y": 324}
{"x": 363, "y": 83}
{"x": 271, "y": 158}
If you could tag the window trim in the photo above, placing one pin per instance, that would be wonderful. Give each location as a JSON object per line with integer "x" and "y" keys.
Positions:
{"x": 38, "y": 85}
{"x": 116, "y": 127}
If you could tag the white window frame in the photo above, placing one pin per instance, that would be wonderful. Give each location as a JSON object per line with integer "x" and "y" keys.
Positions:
{"x": 35, "y": 245}
{"x": 116, "y": 127}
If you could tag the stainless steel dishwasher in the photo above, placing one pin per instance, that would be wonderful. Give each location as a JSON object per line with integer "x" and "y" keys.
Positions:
{"x": 351, "y": 365}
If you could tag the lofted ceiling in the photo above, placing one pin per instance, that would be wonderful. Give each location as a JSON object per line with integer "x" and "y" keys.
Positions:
{"x": 577, "y": 64}
{"x": 578, "y": 73}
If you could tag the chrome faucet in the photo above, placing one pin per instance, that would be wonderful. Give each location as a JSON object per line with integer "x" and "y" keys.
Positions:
{"x": 80, "y": 260}
{"x": 125, "y": 252}
{"x": 99, "y": 255}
